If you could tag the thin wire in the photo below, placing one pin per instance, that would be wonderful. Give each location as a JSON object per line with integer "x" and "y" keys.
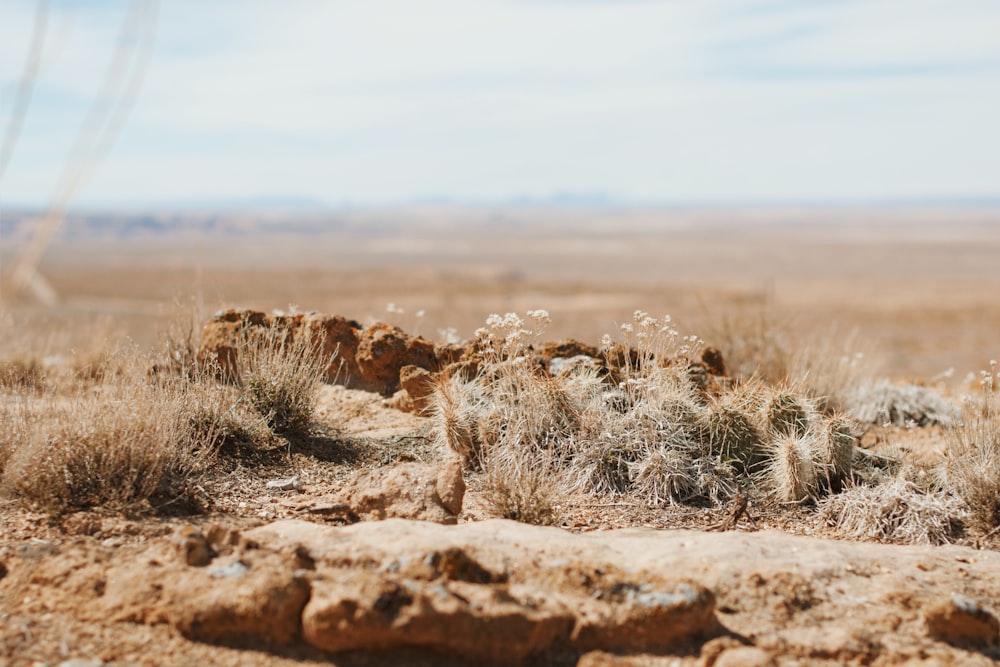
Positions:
{"x": 101, "y": 128}
{"x": 25, "y": 87}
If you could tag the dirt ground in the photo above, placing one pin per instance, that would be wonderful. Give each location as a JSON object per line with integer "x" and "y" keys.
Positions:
{"x": 785, "y": 589}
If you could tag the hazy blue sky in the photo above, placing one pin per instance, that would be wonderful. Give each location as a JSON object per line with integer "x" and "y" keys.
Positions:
{"x": 376, "y": 101}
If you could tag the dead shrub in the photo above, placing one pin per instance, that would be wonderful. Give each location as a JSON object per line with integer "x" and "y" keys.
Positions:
{"x": 221, "y": 416}
{"x": 883, "y": 402}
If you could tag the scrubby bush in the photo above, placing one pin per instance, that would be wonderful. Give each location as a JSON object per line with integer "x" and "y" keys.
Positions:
{"x": 128, "y": 444}
{"x": 280, "y": 370}
{"x": 642, "y": 429}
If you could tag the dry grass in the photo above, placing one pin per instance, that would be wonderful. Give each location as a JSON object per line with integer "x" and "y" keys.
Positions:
{"x": 125, "y": 444}
{"x": 883, "y": 402}
{"x": 280, "y": 373}
{"x": 144, "y": 435}
{"x": 895, "y": 511}
{"x": 972, "y": 463}
{"x": 522, "y": 487}
{"x": 829, "y": 366}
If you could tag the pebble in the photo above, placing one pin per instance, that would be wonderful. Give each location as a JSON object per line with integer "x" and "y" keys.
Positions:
{"x": 289, "y": 484}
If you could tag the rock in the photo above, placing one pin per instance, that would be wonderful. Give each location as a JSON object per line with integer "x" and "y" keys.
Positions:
{"x": 221, "y": 335}
{"x": 566, "y": 349}
{"x": 418, "y": 386}
{"x": 340, "y": 345}
{"x": 193, "y": 548}
{"x": 82, "y": 523}
{"x": 361, "y": 358}
{"x": 712, "y": 359}
{"x": 288, "y": 484}
{"x": 370, "y": 610}
{"x": 963, "y": 621}
{"x": 712, "y": 649}
{"x": 408, "y": 491}
{"x": 574, "y": 365}
{"x": 383, "y": 351}
{"x": 644, "y": 618}
{"x": 255, "y": 599}
{"x": 329, "y": 509}
{"x": 604, "y": 659}
{"x": 450, "y": 485}
{"x": 745, "y": 656}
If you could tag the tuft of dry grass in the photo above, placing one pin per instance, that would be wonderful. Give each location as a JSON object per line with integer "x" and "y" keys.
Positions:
{"x": 829, "y": 365}
{"x": 127, "y": 434}
{"x": 280, "y": 373}
{"x": 972, "y": 455}
{"x": 523, "y": 487}
{"x": 896, "y": 511}
{"x": 882, "y": 402}
{"x": 127, "y": 444}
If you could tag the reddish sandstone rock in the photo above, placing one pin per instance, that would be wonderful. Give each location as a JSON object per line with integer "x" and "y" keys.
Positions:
{"x": 408, "y": 491}
{"x": 340, "y": 345}
{"x": 371, "y": 610}
{"x": 370, "y": 359}
{"x": 415, "y": 392}
{"x": 383, "y": 350}
{"x": 257, "y": 599}
{"x": 565, "y": 349}
{"x": 645, "y": 618}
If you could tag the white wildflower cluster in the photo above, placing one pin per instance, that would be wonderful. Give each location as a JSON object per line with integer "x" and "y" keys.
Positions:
{"x": 507, "y": 336}
{"x": 986, "y": 377}
{"x": 656, "y": 339}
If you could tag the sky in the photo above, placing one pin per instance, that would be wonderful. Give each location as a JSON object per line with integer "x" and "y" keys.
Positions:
{"x": 375, "y": 102}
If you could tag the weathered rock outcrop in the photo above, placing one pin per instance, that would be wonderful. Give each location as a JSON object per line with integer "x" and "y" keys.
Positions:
{"x": 368, "y": 358}
{"x": 385, "y": 359}
{"x": 502, "y": 591}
